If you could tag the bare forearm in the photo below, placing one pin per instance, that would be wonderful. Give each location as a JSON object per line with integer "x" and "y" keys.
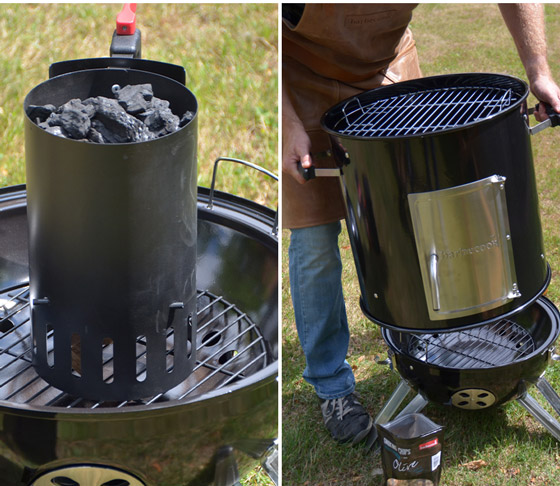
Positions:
{"x": 525, "y": 22}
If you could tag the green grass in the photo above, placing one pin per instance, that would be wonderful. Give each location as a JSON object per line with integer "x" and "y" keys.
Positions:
{"x": 229, "y": 51}
{"x": 514, "y": 447}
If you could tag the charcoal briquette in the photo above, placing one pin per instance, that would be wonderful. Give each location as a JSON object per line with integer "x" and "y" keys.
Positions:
{"x": 40, "y": 112}
{"x": 186, "y": 118}
{"x": 56, "y": 130}
{"x": 124, "y": 128}
{"x": 135, "y": 98}
{"x": 73, "y": 117}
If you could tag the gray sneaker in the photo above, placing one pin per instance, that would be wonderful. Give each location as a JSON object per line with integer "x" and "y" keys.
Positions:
{"x": 346, "y": 419}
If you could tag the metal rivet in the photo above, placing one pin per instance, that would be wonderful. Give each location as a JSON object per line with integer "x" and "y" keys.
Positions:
{"x": 508, "y": 237}
{"x": 376, "y": 296}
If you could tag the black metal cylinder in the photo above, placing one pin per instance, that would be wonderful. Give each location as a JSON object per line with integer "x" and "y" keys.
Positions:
{"x": 112, "y": 252}
{"x": 380, "y": 173}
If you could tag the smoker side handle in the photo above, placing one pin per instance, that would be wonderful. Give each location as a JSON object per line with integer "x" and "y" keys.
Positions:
{"x": 552, "y": 121}
{"x": 314, "y": 172}
{"x": 308, "y": 173}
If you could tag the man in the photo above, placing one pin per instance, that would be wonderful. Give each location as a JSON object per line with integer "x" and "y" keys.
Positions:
{"x": 332, "y": 52}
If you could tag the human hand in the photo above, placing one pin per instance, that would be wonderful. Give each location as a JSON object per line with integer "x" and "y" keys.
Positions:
{"x": 296, "y": 147}
{"x": 547, "y": 91}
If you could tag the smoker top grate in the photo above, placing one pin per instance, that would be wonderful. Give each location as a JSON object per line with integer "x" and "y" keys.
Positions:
{"x": 489, "y": 346}
{"x": 230, "y": 347}
{"x": 422, "y": 112}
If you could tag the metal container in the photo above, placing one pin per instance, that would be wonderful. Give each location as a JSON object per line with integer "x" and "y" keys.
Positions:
{"x": 107, "y": 224}
{"x": 442, "y": 206}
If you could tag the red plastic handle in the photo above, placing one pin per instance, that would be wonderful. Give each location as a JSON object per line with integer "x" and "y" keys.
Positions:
{"x": 126, "y": 19}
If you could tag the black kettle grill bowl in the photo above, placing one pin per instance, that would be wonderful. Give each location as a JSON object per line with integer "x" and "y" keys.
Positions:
{"x": 383, "y": 161}
{"x": 169, "y": 439}
{"x": 494, "y": 363}
{"x": 106, "y": 224}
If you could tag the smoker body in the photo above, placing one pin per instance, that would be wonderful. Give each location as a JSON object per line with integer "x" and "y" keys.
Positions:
{"x": 455, "y": 174}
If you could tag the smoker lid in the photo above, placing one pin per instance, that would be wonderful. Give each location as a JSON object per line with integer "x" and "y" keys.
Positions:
{"x": 425, "y": 106}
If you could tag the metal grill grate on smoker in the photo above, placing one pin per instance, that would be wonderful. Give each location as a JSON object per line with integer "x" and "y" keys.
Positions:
{"x": 422, "y": 112}
{"x": 229, "y": 348}
{"x": 496, "y": 344}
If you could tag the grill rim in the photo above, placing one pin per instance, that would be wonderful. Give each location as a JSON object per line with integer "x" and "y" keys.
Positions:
{"x": 261, "y": 377}
{"x": 444, "y": 351}
{"x": 543, "y": 349}
{"x": 236, "y": 212}
{"x": 328, "y": 119}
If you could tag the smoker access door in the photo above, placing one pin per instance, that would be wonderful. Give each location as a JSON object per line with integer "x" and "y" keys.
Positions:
{"x": 464, "y": 248}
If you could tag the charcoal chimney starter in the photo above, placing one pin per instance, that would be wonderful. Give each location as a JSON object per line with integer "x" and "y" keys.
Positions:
{"x": 112, "y": 252}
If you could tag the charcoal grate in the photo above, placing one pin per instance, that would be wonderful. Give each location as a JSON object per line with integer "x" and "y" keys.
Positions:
{"x": 496, "y": 344}
{"x": 229, "y": 344}
{"x": 422, "y": 112}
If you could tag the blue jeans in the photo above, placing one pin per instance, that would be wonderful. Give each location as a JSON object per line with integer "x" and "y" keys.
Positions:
{"x": 320, "y": 312}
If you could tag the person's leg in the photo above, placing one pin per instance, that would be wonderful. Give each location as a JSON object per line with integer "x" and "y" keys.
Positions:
{"x": 320, "y": 314}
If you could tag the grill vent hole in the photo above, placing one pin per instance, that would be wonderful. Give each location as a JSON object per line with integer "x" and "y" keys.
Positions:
{"x": 224, "y": 358}
{"x": 6, "y": 325}
{"x": 189, "y": 336}
{"x": 76, "y": 349}
{"x": 116, "y": 482}
{"x": 170, "y": 343}
{"x": 464, "y": 395}
{"x": 50, "y": 345}
{"x": 211, "y": 339}
{"x": 141, "y": 371}
{"x": 64, "y": 481}
{"x": 463, "y": 404}
{"x": 107, "y": 350}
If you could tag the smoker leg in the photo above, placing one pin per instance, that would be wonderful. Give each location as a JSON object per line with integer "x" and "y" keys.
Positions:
{"x": 415, "y": 405}
{"x": 265, "y": 450}
{"x": 226, "y": 468}
{"x": 535, "y": 409}
{"x": 393, "y": 403}
{"x": 389, "y": 409}
{"x": 269, "y": 462}
{"x": 549, "y": 393}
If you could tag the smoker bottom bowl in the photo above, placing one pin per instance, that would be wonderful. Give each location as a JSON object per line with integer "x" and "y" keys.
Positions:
{"x": 480, "y": 367}
{"x": 174, "y": 439}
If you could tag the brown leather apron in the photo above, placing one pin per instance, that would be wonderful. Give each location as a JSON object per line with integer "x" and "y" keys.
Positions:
{"x": 334, "y": 52}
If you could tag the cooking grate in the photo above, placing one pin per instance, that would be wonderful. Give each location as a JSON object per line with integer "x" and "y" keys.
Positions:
{"x": 496, "y": 344}
{"x": 422, "y": 112}
{"x": 230, "y": 347}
